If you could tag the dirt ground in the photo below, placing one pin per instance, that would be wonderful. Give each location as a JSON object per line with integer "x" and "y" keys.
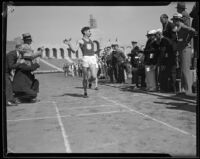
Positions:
{"x": 111, "y": 120}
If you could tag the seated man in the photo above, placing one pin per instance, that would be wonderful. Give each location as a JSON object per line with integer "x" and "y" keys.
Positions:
{"x": 25, "y": 86}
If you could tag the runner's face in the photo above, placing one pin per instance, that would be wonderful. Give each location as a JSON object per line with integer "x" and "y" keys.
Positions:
{"x": 88, "y": 33}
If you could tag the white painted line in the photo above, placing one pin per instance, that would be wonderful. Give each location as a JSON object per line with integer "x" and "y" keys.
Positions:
{"x": 26, "y": 119}
{"x": 66, "y": 142}
{"x": 147, "y": 116}
{"x": 85, "y": 107}
{"x": 62, "y": 116}
{"x": 90, "y": 114}
{"x": 51, "y": 65}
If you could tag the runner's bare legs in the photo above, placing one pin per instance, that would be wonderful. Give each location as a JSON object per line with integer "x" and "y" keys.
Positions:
{"x": 85, "y": 80}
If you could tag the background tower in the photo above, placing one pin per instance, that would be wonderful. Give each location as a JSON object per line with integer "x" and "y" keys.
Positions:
{"x": 92, "y": 22}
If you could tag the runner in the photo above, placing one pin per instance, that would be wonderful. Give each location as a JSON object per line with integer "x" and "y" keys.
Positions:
{"x": 89, "y": 61}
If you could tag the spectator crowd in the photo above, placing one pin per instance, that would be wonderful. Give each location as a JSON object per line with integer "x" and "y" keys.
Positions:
{"x": 163, "y": 64}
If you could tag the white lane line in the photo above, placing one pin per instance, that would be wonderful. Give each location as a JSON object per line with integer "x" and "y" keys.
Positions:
{"x": 66, "y": 142}
{"x": 26, "y": 119}
{"x": 90, "y": 114}
{"x": 85, "y": 107}
{"x": 63, "y": 116}
{"x": 147, "y": 116}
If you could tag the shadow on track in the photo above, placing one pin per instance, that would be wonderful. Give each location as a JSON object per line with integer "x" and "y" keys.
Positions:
{"x": 79, "y": 87}
{"x": 71, "y": 95}
{"x": 179, "y": 106}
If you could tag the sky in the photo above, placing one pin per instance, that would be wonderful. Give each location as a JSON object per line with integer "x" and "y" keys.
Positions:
{"x": 51, "y": 24}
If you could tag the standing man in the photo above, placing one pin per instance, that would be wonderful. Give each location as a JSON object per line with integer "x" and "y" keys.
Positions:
{"x": 195, "y": 24}
{"x": 185, "y": 16}
{"x": 133, "y": 54}
{"x": 118, "y": 59}
{"x": 150, "y": 61}
{"x": 166, "y": 63}
{"x": 184, "y": 36}
{"x": 89, "y": 61}
{"x": 109, "y": 63}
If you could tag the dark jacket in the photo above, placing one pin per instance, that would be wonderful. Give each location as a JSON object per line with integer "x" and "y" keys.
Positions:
{"x": 194, "y": 14}
{"x": 135, "y": 60}
{"x": 168, "y": 30}
{"x": 118, "y": 57}
{"x": 151, "y": 52}
{"x": 23, "y": 78}
{"x": 11, "y": 61}
{"x": 167, "y": 56}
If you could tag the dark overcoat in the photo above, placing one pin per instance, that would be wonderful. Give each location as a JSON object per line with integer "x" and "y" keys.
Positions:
{"x": 23, "y": 79}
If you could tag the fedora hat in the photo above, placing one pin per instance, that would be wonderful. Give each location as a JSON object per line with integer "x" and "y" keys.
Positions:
{"x": 181, "y": 5}
{"x": 134, "y": 42}
{"x": 177, "y": 16}
{"x": 151, "y": 32}
{"x": 26, "y": 36}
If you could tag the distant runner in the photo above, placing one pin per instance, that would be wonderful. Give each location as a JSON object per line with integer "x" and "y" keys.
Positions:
{"x": 89, "y": 60}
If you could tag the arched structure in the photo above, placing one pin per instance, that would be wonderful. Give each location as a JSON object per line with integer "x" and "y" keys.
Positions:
{"x": 54, "y": 52}
{"x": 62, "y": 53}
{"x": 69, "y": 53}
{"x": 47, "y": 53}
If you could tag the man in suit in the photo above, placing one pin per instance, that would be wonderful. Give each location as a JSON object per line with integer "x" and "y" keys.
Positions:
{"x": 118, "y": 59}
{"x": 195, "y": 24}
{"x": 11, "y": 64}
{"x": 166, "y": 63}
{"x": 184, "y": 36}
{"x": 150, "y": 60}
{"x": 137, "y": 65}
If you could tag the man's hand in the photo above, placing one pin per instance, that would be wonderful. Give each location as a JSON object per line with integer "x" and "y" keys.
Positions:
{"x": 67, "y": 41}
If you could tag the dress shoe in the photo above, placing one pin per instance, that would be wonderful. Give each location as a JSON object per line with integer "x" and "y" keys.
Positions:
{"x": 9, "y": 103}
{"x": 17, "y": 101}
{"x": 34, "y": 100}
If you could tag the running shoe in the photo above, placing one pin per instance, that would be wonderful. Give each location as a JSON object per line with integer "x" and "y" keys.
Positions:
{"x": 85, "y": 95}
{"x": 90, "y": 85}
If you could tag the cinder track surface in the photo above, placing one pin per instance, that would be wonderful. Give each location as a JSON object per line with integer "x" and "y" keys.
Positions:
{"x": 112, "y": 119}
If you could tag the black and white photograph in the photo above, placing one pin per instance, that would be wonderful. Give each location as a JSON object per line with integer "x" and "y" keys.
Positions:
{"x": 94, "y": 78}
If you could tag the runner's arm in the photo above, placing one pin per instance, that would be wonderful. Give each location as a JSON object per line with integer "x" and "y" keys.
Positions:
{"x": 74, "y": 49}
